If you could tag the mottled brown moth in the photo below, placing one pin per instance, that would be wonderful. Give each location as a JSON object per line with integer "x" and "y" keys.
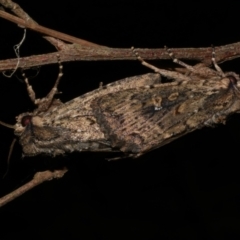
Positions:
{"x": 133, "y": 115}
{"x": 55, "y": 128}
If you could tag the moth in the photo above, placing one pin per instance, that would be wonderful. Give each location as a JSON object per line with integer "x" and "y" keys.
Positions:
{"x": 133, "y": 115}
{"x": 55, "y": 128}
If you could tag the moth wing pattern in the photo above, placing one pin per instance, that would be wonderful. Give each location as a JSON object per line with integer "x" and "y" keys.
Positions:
{"x": 142, "y": 119}
{"x": 76, "y": 116}
{"x": 70, "y": 126}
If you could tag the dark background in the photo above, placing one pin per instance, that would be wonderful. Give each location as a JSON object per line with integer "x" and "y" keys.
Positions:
{"x": 188, "y": 189}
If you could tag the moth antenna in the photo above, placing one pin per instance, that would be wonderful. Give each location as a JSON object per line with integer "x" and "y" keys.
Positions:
{"x": 9, "y": 156}
{"x": 7, "y": 125}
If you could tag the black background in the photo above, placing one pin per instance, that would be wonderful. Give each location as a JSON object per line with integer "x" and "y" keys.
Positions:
{"x": 188, "y": 189}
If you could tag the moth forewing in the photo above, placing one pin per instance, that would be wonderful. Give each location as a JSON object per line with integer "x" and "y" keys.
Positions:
{"x": 71, "y": 126}
{"x": 142, "y": 119}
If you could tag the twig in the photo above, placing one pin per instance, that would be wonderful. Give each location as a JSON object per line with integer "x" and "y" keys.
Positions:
{"x": 86, "y": 51}
{"x": 38, "y": 178}
{"x": 47, "y": 31}
{"x": 74, "y": 52}
{"x": 24, "y": 18}
{"x": 17, "y": 10}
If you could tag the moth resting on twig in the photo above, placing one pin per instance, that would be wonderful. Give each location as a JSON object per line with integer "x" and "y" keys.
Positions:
{"x": 133, "y": 115}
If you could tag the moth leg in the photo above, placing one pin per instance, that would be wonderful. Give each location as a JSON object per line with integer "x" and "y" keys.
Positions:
{"x": 30, "y": 90}
{"x": 124, "y": 157}
{"x": 179, "y": 77}
{"x": 179, "y": 62}
{"x": 115, "y": 158}
{"x": 100, "y": 85}
{"x": 219, "y": 70}
{"x": 44, "y": 103}
{"x": 200, "y": 69}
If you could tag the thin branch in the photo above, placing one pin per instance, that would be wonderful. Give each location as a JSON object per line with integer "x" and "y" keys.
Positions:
{"x": 83, "y": 50}
{"x": 17, "y": 10}
{"x": 38, "y": 178}
{"x": 44, "y": 30}
{"x": 23, "y": 16}
{"x": 74, "y": 52}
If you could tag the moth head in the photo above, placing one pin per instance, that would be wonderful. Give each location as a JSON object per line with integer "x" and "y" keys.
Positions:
{"x": 23, "y": 120}
{"x": 26, "y": 120}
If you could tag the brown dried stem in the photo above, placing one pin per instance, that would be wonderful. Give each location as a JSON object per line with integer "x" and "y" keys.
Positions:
{"x": 82, "y": 50}
{"x": 24, "y": 20}
{"x": 38, "y": 178}
{"x": 74, "y": 52}
{"x": 17, "y": 10}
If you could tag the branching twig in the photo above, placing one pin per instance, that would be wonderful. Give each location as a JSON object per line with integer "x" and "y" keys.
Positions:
{"x": 24, "y": 20}
{"x": 86, "y": 51}
{"x": 38, "y": 178}
{"x": 17, "y": 10}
